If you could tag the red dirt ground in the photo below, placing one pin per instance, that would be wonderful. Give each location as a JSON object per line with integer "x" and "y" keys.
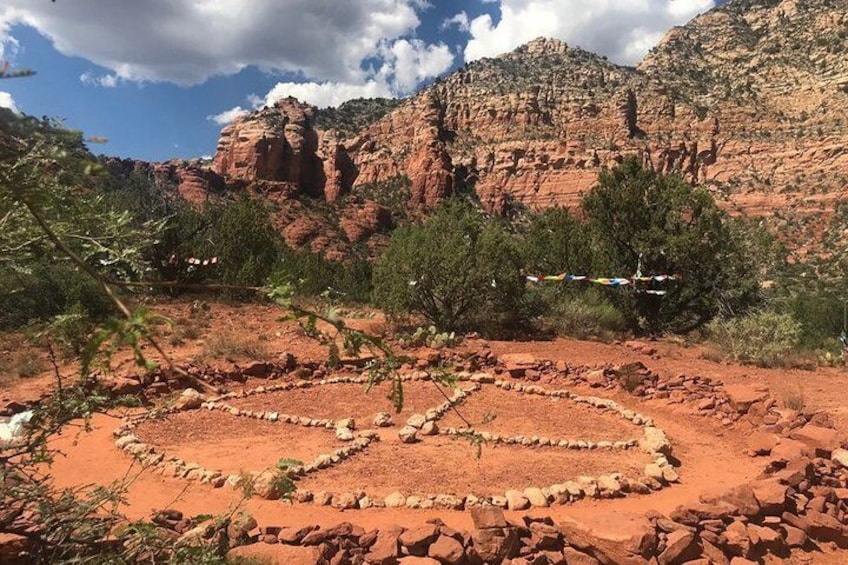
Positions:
{"x": 230, "y": 444}
{"x": 529, "y": 415}
{"x": 431, "y": 467}
{"x": 337, "y": 401}
{"x": 711, "y": 455}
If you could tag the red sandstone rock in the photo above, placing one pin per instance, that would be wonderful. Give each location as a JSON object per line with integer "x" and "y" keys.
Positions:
{"x": 743, "y": 396}
{"x": 486, "y": 517}
{"x": 446, "y": 550}
{"x": 620, "y": 547}
{"x": 574, "y": 557}
{"x": 822, "y": 440}
{"x": 761, "y": 443}
{"x": 416, "y": 541}
{"x": 771, "y": 496}
{"x": 680, "y": 547}
{"x": 385, "y": 548}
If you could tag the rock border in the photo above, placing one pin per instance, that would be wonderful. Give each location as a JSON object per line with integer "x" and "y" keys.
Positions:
{"x": 657, "y": 475}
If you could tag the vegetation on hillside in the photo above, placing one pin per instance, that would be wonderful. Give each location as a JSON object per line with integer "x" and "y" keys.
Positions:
{"x": 354, "y": 115}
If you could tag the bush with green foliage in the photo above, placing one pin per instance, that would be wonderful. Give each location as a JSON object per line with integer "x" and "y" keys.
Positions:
{"x": 458, "y": 269}
{"x": 820, "y": 314}
{"x": 430, "y": 337}
{"x": 584, "y": 313}
{"x": 313, "y": 275}
{"x": 766, "y": 338}
{"x": 676, "y": 229}
{"x": 554, "y": 241}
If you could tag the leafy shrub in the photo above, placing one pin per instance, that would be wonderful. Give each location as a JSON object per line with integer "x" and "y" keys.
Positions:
{"x": 675, "y": 229}
{"x": 585, "y": 314}
{"x": 459, "y": 270}
{"x": 72, "y": 329}
{"x": 40, "y": 291}
{"x": 430, "y": 337}
{"x": 313, "y": 275}
{"x": 820, "y": 315}
{"x": 553, "y": 241}
{"x": 764, "y": 338}
{"x": 243, "y": 238}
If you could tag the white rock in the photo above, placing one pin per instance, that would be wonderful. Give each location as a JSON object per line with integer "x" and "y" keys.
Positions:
{"x": 348, "y": 423}
{"x": 383, "y": 420}
{"x": 536, "y": 497}
{"x": 416, "y": 420}
{"x": 429, "y": 428}
{"x": 344, "y": 434}
{"x": 655, "y": 441}
{"x": 408, "y": 434}
{"x": 515, "y": 500}
{"x": 654, "y": 471}
{"x": 840, "y": 457}
{"x": 395, "y": 500}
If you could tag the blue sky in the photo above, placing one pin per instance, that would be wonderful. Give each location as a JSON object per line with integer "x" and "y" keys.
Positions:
{"x": 159, "y": 78}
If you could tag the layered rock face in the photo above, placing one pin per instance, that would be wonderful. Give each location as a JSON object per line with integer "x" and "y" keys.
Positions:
{"x": 281, "y": 145}
{"x": 749, "y": 99}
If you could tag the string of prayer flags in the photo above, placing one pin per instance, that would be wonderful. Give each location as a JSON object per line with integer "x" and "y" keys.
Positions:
{"x": 607, "y": 281}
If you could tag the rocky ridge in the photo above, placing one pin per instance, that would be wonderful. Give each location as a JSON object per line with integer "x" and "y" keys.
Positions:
{"x": 750, "y": 99}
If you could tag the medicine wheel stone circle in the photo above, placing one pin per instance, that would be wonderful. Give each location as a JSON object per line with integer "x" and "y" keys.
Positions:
{"x": 359, "y": 437}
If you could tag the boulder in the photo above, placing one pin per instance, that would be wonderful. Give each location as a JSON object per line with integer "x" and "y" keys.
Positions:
{"x": 515, "y": 500}
{"x": 493, "y": 545}
{"x": 408, "y": 434}
{"x": 822, "y": 440}
{"x": 518, "y": 363}
{"x": 761, "y": 443}
{"x": 737, "y": 541}
{"x": 770, "y": 495}
{"x": 344, "y": 434}
{"x": 429, "y": 428}
{"x": 488, "y": 517}
{"x": 826, "y": 528}
{"x": 383, "y": 420}
{"x": 446, "y": 550}
{"x": 655, "y": 441}
{"x": 536, "y": 497}
{"x": 632, "y": 543}
{"x": 416, "y": 541}
{"x": 574, "y": 557}
{"x": 789, "y": 449}
{"x": 840, "y": 457}
{"x": 681, "y": 546}
{"x": 416, "y": 421}
{"x": 741, "y": 397}
{"x": 385, "y": 549}
{"x": 190, "y": 399}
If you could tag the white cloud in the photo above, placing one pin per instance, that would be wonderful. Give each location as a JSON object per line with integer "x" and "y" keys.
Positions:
{"x": 624, "y": 30}
{"x": 459, "y": 20}
{"x": 6, "y": 101}
{"x": 228, "y": 116}
{"x": 325, "y": 94}
{"x": 106, "y": 81}
{"x": 408, "y": 62}
{"x": 188, "y": 41}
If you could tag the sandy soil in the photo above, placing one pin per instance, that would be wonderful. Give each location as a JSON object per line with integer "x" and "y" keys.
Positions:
{"x": 529, "y": 415}
{"x": 336, "y": 401}
{"x": 232, "y": 444}
{"x": 710, "y": 454}
{"x": 431, "y": 467}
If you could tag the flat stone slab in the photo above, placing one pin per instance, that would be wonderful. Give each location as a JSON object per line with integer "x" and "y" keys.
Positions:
{"x": 743, "y": 396}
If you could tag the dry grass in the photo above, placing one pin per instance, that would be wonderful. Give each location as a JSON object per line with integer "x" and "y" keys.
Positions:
{"x": 234, "y": 346}
{"x": 793, "y": 398}
{"x": 21, "y": 364}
